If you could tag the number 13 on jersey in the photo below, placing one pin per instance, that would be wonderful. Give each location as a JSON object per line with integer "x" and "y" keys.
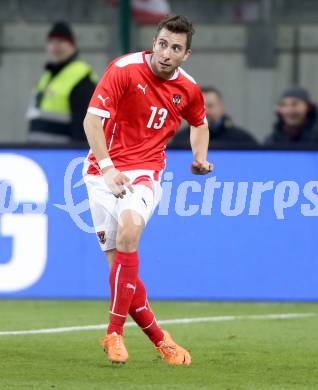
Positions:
{"x": 157, "y": 117}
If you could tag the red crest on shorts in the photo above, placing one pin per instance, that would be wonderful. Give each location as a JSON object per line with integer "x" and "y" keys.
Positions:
{"x": 101, "y": 237}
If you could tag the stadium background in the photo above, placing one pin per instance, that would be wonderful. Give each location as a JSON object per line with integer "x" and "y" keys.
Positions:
{"x": 252, "y": 50}
{"x": 208, "y": 261}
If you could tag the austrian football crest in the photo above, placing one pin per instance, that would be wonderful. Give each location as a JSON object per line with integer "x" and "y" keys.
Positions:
{"x": 176, "y": 99}
{"x": 101, "y": 237}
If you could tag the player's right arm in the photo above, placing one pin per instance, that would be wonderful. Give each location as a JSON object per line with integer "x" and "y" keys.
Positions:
{"x": 115, "y": 180}
{"x": 103, "y": 105}
{"x": 93, "y": 127}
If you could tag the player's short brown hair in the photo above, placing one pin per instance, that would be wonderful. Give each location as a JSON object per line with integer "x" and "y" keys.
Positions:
{"x": 178, "y": 24}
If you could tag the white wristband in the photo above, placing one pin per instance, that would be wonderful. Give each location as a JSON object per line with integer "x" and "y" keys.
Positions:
{"x": 105, "y": 162}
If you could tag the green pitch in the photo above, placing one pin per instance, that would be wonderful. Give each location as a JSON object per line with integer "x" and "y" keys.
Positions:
{"x": 242, "y": 354}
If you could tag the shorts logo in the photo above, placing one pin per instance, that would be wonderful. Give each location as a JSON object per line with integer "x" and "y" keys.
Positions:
{"x": 101, "y": 237}
{"x": 176, "y": 99}
{"x": 143, "y": 199}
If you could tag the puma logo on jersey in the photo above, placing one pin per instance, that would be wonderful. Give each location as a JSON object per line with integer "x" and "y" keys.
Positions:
{"x": 142, "y": 88}
{"x": 103, "y": 100}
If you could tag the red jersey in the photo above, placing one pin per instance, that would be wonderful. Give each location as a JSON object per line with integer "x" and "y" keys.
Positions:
{"x": 142, "y": 112}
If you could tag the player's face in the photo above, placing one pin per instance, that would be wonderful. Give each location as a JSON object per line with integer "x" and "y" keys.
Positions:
{"x": 59, "y": 50}
{"x": 293, "y": 111}
{"x": 169, "y": 52}
{"x": 214, "y": 106}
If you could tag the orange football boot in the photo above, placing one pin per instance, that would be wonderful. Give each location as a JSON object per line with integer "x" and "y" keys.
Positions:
{"x": 114, "y": 346}
{"x": 171, "y": 352}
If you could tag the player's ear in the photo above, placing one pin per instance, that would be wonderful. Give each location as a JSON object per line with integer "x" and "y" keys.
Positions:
{"x": 153, "y": 43}
{"x": 187, "y": 55}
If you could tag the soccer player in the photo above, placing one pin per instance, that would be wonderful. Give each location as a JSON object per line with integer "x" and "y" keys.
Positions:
{"x": 136, "y": 108}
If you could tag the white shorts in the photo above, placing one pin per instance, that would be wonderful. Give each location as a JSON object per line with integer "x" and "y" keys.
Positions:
{"x": 106, "y": 208}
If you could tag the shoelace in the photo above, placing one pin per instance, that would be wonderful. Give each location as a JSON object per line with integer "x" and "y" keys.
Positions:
{"x": 171, "y": 349}
{"x": 117, "y": 342}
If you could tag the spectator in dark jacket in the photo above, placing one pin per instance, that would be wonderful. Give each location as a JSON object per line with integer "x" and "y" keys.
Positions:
{"x": 297, "y": 122}
{"x": 61, "y": 95}
{"x": 222, "y": 129}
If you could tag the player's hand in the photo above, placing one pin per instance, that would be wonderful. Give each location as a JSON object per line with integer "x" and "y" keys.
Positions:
{"x": 117, "y": 182}
{"x": 201, "y": 167}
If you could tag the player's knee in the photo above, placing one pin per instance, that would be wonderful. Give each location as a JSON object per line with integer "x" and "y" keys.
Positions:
{"x": 127, "y": 239}
{"x": 129, "y": 230}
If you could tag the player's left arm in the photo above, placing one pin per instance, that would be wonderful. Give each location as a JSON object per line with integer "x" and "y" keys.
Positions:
{"x": 199, "y": 139}
{"x": 194, "y": 114}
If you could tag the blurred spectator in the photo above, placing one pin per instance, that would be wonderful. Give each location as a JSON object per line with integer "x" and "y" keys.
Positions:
{"x": 61, "y": 96}
{"x": 222, "y": 129}
{"x": 297, "y": 119}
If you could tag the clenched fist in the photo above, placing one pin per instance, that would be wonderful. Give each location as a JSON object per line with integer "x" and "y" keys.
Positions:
{"x": 201, "y": 167}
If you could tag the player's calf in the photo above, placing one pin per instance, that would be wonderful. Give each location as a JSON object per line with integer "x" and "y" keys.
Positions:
{"x": 142, "y": 314}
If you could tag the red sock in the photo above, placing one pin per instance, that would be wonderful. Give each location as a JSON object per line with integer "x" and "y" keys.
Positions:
{"x": 122, "y": 278}
{"x": 141, "y": 312}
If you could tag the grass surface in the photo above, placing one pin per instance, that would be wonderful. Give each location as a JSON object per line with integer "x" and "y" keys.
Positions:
{"x": 235, "y": 355}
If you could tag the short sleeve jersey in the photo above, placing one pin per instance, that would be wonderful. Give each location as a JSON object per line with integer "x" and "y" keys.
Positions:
{"x": 142, "y": 112}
